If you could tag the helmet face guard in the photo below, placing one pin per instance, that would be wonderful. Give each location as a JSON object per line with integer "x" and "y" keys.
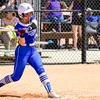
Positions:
{"x": 24, "y": 8}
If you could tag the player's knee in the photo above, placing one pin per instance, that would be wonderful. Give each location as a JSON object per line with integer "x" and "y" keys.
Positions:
{"x": 15, "y": 78}
{"x": 40, "y": 70}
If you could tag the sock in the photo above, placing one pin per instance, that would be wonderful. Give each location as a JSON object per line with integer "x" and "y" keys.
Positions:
{"x": 5, "y": 80}
{"x": 45, "y": 81}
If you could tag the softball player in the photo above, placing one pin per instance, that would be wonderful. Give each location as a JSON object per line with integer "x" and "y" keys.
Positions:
{"x": 26, "y": 52}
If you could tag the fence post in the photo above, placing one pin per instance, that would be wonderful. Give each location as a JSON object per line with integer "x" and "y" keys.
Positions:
{"x": 38, "y": 20}
{"x": 84, "y": 34}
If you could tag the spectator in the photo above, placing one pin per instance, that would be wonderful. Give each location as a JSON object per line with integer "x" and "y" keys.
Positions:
{"x": 9, "y": 21}
{"x": 91, "y": 21}
{"x": 53, "y": 17}
{"x": 65, "y": 9}
{"x": 90, "y": 17}
{"x": 67, "y": 18}
{"x": 92, "y": 25}
{"x": 4, "y": 4}
{"x": 76, "y": 22}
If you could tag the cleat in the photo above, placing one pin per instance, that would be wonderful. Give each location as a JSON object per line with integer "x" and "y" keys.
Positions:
{"x": 1, "y": 84}
{"x": 52, "y": 94}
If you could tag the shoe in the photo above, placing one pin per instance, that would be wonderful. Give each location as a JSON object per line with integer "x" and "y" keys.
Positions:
{"x": 1, "y": 84}
{"x": 62, "y": 46}
{"x": 52, "y": 94}
{"x": 53, "y": 30}
{"x": 75, "y": 48}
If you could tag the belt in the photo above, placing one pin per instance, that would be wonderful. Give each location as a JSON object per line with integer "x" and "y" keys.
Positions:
{"x": 31, "y": 44}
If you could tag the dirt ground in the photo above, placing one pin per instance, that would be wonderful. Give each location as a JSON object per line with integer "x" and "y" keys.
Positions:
{"x": 72, "y": 82}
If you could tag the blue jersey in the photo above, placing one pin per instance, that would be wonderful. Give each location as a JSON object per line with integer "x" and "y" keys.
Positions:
{"x": 92, "y": 18}
{"x": 30, "y": 36}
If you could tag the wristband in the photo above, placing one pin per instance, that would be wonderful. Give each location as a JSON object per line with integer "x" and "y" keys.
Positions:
{"x": 21, "y": 36}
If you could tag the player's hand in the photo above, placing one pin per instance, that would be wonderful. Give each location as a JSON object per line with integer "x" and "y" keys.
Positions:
{"x": 21, "y": 41}
{"x": 21, "y": 32}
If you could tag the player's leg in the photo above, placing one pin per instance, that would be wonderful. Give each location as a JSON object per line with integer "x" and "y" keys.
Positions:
{"x": 19, "y": 66}
{"x": 36, "y": 62}
{"x": 7, "y": 79}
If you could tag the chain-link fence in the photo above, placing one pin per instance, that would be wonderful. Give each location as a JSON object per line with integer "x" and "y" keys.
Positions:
{"x": 58, "y": 36}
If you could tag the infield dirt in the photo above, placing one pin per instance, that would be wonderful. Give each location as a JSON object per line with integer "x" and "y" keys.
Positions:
{"x": 72, "y": 82}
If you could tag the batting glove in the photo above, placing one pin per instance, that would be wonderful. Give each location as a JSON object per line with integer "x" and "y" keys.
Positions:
{"x": 21, "y": 32}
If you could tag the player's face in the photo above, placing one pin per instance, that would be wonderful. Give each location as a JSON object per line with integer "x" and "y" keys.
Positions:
{"x": 27, "y": 16}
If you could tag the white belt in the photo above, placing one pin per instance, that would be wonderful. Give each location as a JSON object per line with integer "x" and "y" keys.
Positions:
{"x": 31, "y": 44}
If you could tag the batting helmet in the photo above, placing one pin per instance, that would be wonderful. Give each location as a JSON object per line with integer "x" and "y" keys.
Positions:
{"x": 24, "y": 8}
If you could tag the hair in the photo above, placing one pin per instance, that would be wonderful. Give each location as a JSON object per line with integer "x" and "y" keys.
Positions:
{"x": 79, "y": 1}
{"x": 89, "y": 11}
{"x": 63, "y": 5}
{"x": 13, "y": 13}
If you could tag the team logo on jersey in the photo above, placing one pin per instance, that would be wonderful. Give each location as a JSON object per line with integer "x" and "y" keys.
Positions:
{"x": 32, "y": 32}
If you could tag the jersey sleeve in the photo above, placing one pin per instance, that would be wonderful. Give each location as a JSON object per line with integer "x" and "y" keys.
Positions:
{"x": 32, "y": 18}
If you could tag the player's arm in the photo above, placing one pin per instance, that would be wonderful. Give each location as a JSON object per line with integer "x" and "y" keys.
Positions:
{"x": 21, "y": 41}
{"x": 32, "y": 26}
{"x": 33, "y": 23}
